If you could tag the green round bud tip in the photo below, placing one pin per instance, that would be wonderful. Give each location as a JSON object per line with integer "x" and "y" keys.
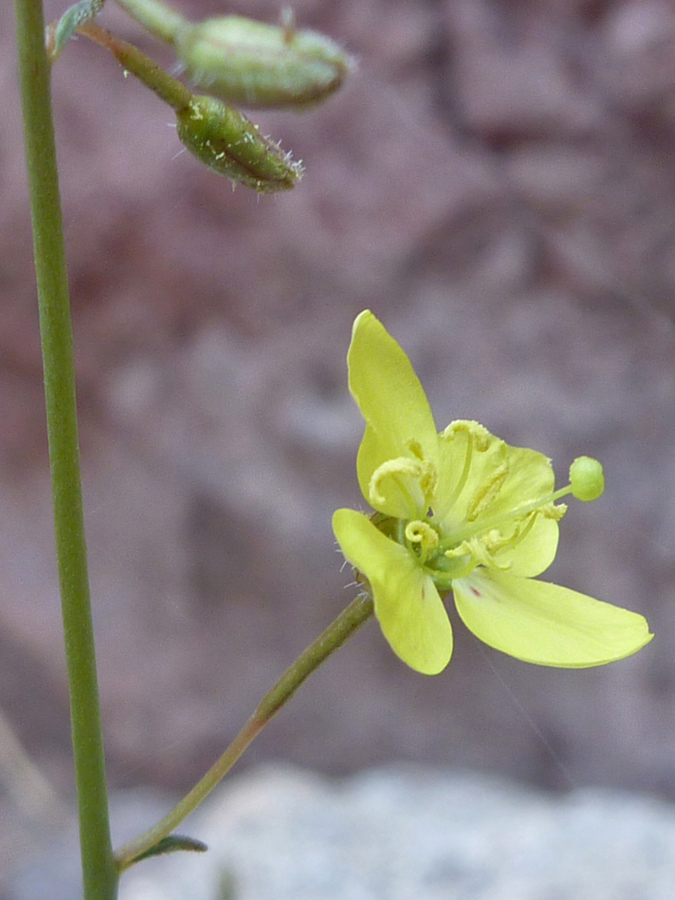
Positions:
{"x": 587, "y": 479}
{"x": 259, "y": 65}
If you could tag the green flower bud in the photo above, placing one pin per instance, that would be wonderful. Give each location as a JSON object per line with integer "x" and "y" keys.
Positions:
{"x": 227, "y": 142}
{"x": 587, "y": 479}
{"x": 261, "y": 65}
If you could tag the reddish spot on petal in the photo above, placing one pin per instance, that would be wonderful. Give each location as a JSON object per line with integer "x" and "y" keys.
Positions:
{"x": 475, "y": 592}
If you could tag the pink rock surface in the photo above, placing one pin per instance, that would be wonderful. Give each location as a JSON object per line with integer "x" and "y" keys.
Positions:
{"x": 495, "y": 187}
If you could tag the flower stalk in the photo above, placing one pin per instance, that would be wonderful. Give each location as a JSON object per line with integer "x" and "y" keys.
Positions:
{"x": 338, "y": 633}
{"x": 99, "y": 872}
{"x": 168, "y": 89}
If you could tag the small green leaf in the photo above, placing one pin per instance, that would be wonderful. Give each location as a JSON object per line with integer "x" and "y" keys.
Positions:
{"x": 59, "y": 35}
{"x": 172, "y": 844}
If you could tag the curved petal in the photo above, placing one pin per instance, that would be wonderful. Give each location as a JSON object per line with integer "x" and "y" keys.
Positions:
{"x": 495, "y": 483}
{"x": 389, "y": 394}
{"x": 530, "y": 478}
{"x": 546, "y": 624}
{"x": 407, "y": 605}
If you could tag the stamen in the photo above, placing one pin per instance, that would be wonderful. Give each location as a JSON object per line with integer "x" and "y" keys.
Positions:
{"x": 428, "y": 473}
{"x": 405, "y": 470}
{"x": 483, "y": 555}
{"x": 482, "y": 438}
{"x": 521, "y": 530}
{"x": 394, "y": 468}
{"x": 415, "y": 448}
{"x": 487, "y": 492}
{"x": 423, "y": 536}
{"x": 456, "y": 555}
{"x": 545, "y": 506}
{"x": 554, "y": 511}
{"x": 449, "y": 435}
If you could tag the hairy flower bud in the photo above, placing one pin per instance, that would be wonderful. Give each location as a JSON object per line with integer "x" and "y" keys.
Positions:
{"x": 261, "y": 65}
{"x": 227, "y": 142}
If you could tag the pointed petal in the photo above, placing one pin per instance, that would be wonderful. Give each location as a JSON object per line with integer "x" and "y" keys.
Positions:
{"x": 389, "y": 395}
{"x": 546, "y": 624}
{"x": 407, "y": 605}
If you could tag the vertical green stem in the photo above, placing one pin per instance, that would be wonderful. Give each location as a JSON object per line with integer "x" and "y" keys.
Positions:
{"x": 99, "y": 870}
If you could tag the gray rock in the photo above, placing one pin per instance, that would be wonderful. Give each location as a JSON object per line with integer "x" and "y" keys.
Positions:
{"x": 406, "y": 832}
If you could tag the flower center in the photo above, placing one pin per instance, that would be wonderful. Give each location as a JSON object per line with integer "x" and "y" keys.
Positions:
{"x": 452, "y": 535}
{"x": 471, "y": 516}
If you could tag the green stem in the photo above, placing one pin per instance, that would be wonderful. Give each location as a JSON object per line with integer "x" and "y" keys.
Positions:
{"x": 135, "y": 61}
{"x": 99, "y": 872}
{"x": 346, "y": 624}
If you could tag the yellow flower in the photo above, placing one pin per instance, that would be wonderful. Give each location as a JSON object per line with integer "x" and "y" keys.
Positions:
{"x": 463, "y": 512}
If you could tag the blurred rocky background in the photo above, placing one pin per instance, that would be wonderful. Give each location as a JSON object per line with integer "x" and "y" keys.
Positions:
{"x": 497, "y": 182}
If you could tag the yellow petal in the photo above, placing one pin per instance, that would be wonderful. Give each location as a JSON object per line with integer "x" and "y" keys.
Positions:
{"x": 485, "y": 496}
{"x": 545, "y": 624}
{"x": 530, "y": 478}
{"x": 389, "y": 395}
{"x": 407, "y": 605}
